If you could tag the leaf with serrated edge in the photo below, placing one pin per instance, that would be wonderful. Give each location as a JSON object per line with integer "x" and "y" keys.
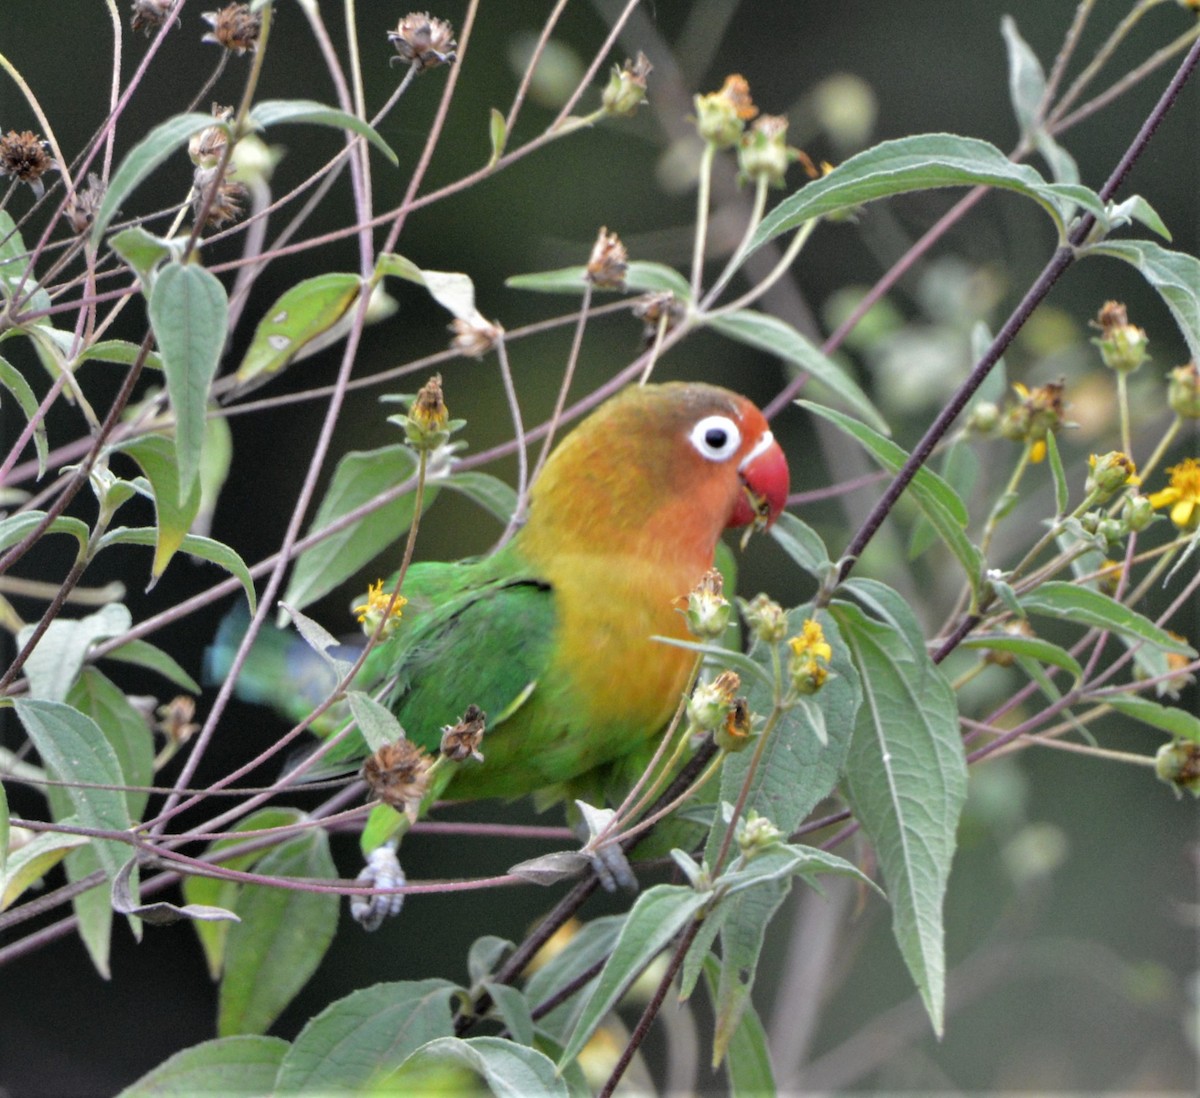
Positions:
{"x": 906, "y": 780}
{"x": 235, "y": 1067}
{"x": 365, "y": 1035}
{"x": 659, "y": 914}
{"x": 273, "y": 112}
{"x": 510, "y": 1070}
{"x": 360, "y": 476}
{"x": 283, "y": 935}
{"x": 157, "y": 458}
{"x": 777, "y": 337}
{"x": 55, "y": 663}
{"x": 1062, "y": 600}
{"x": 189, "y": 313}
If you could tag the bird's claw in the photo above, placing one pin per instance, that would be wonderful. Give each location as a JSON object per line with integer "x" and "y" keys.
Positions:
{"x": 381, "y": 871}
{"x": 603, "y": 851}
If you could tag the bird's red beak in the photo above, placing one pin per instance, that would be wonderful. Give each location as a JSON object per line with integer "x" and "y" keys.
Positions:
{"x": 764, "y": 475}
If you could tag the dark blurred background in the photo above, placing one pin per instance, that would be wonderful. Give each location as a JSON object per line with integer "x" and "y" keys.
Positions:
{"x": 1072, "y": 908}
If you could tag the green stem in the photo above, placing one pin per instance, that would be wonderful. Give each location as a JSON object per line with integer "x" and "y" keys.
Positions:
{"x": 703, "y": 197}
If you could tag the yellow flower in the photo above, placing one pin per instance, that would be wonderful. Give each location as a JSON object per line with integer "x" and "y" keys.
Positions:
{"x": 371, "y": 612}
{"x": 1182, "y": 495}
{"x": 810, "y": 654}
{"x": 811, "y": 642}
{"x": 1038, "y": 412}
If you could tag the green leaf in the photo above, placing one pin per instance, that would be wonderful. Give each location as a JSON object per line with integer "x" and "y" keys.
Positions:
{"x": 906, "y": 780}
{"x": 355, "y": 1041}
{"x": 189, "y": 313}
{"x": 119, "y": 351}
{"x": 16, "y": 278}
{"x": 31, "y": 862}
{"x": 158, "y": 461}
{"x": 1169, "y": 718}
{"x": 1033, "y": 648}
{"x": 1026, "y": 79}
{"x": 274, "y": 112}
{"x": 12, "y": 379}
{"x": 376, "y": 722}
{"x": 938, "y": 502}
{"x": 802, "y": 543}
{"x": 141, "y": 653}
{"x": 215, "y": 552}
{"x": 640, "y": 277}
{"x": 144, "y": 252}
{"x": 922, "y": 162}
{"x": 659, "y": 914}
{"x": 15, "y": 527}
{"x": 77, "y": 752}
{"x": 298, "y": 322}
{"x": 491, "y": 493}
{"x": 124, "y": 727}
{"x": 233, "y": 1066}
{"x": 960, "y": 469}
{"x": 284, "y": 933}
{"x": 452, "y": 290}
{"x": 1175, "y": 275}
{"x": 54, "y": 664}
{"x": 142, "y": 159}
{"x": 747, "y": 1058}
{"x": 594, "y": 942}
{"x": 1136, "y": 208}
{"x": 360, "y": 476}
{"x": 217, "y": 892}
{"x": 509, "y": 1070}
{"x": 1082, "y": 605}
{"x": 512, "y": 1010}
{"x": 498, "y": 133}
{"x": 756, "y": 890}
{"x": 777, "y": 337}
{"x": 1062, "y": 494}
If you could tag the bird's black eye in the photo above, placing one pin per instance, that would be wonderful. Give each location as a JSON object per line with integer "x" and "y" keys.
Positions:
{"x": 716, "y": 437}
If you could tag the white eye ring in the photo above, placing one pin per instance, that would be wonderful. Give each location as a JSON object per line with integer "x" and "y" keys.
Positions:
{"x": 717, "y": 438}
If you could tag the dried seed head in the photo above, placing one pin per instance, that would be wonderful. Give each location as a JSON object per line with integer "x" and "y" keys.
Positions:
{"x": 233, "y": 27}
{"x": 1109, "y": 473}
{"x": 398, "y": 774}
{"x": 764, "y": 153}
{"x": 82, "y": 205}
{"x": 710, "y": 702}
{"x": 626, "y": 88}
{"x": 1122, "y": 345}
{"x": 474, "y": 336}
{"x": 423, "y": 42}
{"x": 707, "y": 609}
{"x": 149, "y": 15}
{"x": 658, "y": 311}
{"x": 228, "y": 203}
{"x": 608, "y": 262}
{"x": 766, "y": 618}
{"x": 722, "y": 115}
{"x": 208, "y": 146}
{"x": 175, "y": 720}
{"x": 461, "y": 741}
{"x": 25, "y": 157}
{"x": 1183, "y": 391}
{"x": 1038, "y": 413}
{"x": 736, "y": 732}
{"x": 1178, "y": 764}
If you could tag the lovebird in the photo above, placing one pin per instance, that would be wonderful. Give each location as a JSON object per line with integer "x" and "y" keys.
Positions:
{"x": 550, "y": 636}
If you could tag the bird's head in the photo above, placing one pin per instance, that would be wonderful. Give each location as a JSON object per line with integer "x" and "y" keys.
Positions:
{"x": 679, "y": 462}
